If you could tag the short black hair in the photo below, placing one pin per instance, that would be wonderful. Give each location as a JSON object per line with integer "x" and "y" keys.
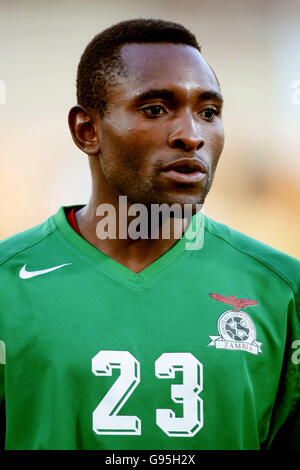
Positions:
{"x": 101, "y": 64}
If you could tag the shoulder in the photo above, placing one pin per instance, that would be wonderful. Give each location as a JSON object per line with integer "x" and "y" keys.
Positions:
{"x": 20, "y": 242}
{"x": 282, "y": 265}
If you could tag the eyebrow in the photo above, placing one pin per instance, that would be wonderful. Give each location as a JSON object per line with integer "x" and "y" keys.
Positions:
{"x": 169, "y": 95}
{"x": 211, "y": 94}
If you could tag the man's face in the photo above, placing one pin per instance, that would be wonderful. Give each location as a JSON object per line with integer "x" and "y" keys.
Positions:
{"x": 164, "y": 111}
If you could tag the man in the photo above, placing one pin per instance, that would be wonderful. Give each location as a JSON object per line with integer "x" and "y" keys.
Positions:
{"x": 136, "y": 342}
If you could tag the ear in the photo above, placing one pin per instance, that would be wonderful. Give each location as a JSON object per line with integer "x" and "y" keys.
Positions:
{"x": 82, "y": 127}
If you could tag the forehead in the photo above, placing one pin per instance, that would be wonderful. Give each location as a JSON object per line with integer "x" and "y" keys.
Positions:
{"x": 166, "y": 65}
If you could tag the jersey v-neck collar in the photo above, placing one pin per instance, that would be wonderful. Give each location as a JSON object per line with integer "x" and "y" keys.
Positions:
{"x": 114, "y": 268}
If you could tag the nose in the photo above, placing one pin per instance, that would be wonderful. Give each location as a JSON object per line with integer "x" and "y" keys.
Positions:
{"x": 186, "y": 135}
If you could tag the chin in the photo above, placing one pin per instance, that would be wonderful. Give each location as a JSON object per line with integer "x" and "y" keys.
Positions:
{"x": 181, "y": 201}
{"x": 183, "y": 207}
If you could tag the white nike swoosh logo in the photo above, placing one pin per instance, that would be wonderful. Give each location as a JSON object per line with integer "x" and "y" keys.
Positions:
{"x": 27, "y": 274}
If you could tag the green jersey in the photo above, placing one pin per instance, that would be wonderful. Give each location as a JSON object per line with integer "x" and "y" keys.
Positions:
{"x": 200, "y": 350}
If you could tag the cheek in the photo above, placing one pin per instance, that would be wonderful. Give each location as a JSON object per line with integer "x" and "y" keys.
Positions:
{"x": 215, "y": 142}
{"x": 122, "y": 154}
{"x": 129, "y": 147}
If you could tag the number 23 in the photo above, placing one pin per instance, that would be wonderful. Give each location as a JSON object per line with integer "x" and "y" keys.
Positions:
{"x": 105, "y": 417}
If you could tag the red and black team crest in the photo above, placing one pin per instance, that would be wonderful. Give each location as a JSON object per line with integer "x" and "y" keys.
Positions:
{"x": 235, "y": 327}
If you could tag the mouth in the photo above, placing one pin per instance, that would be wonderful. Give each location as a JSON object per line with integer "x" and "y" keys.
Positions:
{"x": 187, "y": 170}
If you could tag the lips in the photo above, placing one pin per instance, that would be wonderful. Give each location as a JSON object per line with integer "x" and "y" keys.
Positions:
{"x": 185, "y": 170}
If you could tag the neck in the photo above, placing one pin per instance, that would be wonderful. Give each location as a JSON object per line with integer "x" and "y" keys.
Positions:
{"x": 106, "y": 212}
{"x": 132, "y": 237}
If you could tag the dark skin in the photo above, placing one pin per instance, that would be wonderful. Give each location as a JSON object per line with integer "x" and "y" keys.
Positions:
{"x": 141, "y": 132}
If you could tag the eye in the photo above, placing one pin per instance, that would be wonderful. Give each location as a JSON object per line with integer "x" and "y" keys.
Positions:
{"x": 209, "y": 113}
{"x": 154, "y": 110}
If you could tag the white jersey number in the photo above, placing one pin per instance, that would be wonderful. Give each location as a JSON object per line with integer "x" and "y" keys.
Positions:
{"x": 105, "y": 417}
{"x": 186, "y": 393}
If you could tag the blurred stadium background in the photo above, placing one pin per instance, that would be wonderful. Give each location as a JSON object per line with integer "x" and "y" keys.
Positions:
{"x": 254, "y": 50}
